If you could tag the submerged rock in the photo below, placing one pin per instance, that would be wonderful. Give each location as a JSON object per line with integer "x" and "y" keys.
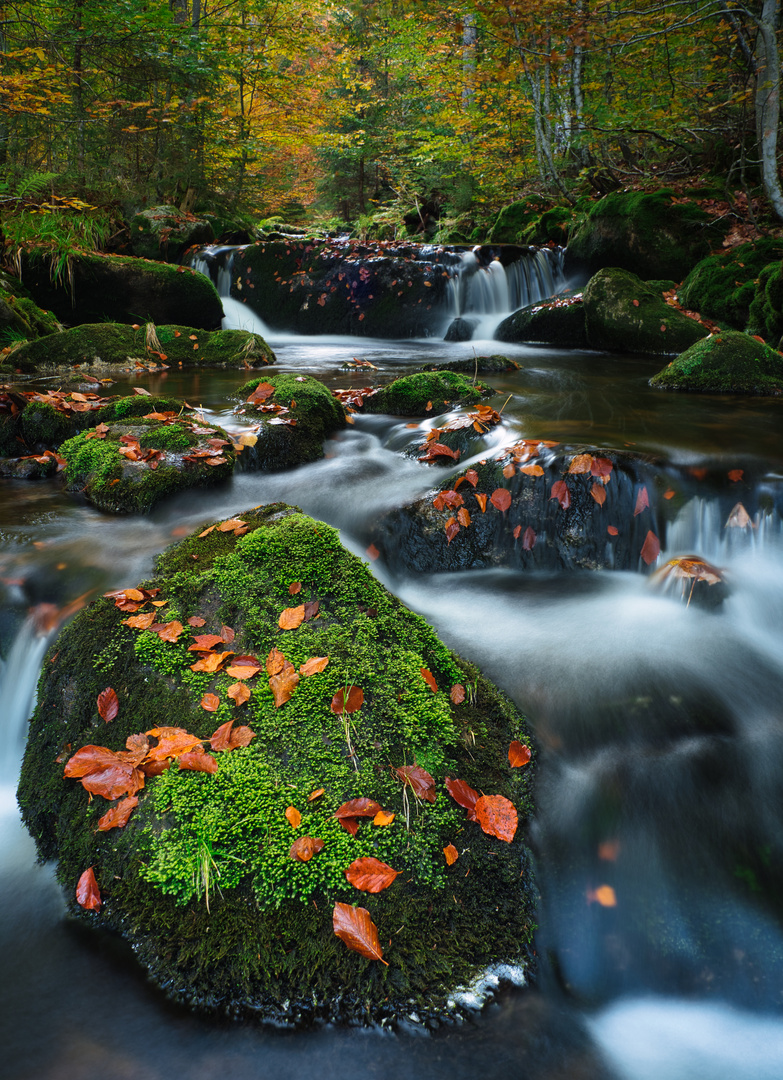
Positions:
{"x": 556, "y": 322}
{"x": 461, "y": 329}
{"x": 496, "y": 364}
{"x": 623, "y": 314}
{"x": 358, "y": 700}
{"x": 725, "y": 363}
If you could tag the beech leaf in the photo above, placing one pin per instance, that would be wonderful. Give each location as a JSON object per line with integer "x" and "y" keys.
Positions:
{"x": 464, "y": 795}
{"x": 291, "y": 618}
{"x": 314, "y": 665}
{"x": 481, "y": 500}
{"x": 561, "y": 493}
{"x": 642, "y": 501}
{"x": 355, "y": 927}
{"x": 88, "y": 895}
{"x": 210, "y": 702}
{"x": 293, "y": 817}
{"x": 171, "y": 631}
{"x": 500, "y": 499}
{"x": 457, "y": 693}
{"x": 108, "y": 704}
{"x": 243, "y": 667}
{"x": 451, "y": 854}
{"x": 529, "y": 539}
{"x": 117, "y": 816}
{"x": 497, "y": 816}
{"x": 531, "y": 470}
{"x": 429, "y": 679}
{"x": 198, "y": 760}
{"x": 284, "y": 683}
{"x": 518, "y": 754}
{"x": 316, "y": 794}
{"x": 347, "y": 700}
{"x": 419, "y": 780}
{"x": 239, "y": 693}
{"x": 651, "y": 548}
{"x": 383, "y": 818}
{"x": 370, "y": 875}
{"x": 304, "y": 847}
{"x": 582, "y": 463}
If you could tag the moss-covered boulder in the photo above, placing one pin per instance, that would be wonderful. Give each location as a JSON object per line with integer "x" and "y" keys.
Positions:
{"x": 495, "y": 364}
{"x": 532, "y": 221}
{"x": 120, "y": 288}
{"x": 201, "y": 880}
{"x": 556, "y": 322}
{"x": 20, "y": 317}
{"x": 425, "y": 392}
{"x": 725, "y": 363}
{"x": 166, "y": 233}
{"x": 292, "y": 415}
{"x": 98, "y": 348}
{"x": 623, "y": 314}
{"x": 654, "y": 234}
{"x": 766, "y": 309}
{"x": 723, "y": 286}
{"x": 127, "y": 466}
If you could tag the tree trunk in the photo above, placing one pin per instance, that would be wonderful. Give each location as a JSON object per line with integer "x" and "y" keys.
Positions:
{"x": 768, "y": 102}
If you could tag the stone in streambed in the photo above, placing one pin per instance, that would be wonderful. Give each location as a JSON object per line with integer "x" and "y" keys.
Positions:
{"x": 200, "y": 881}
{"x": 554, "y": 322}
{"x": 166, "y": 233}
{"x": 725, "y": 363}
{"x": 425, "y": 392}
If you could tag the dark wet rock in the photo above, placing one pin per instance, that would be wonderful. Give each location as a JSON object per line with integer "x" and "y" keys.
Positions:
{"x": 653, "y": 234}
{"x": 99, "y": 348}
{"x": 623, "y": 314}
{"x": 723, "y": 285}
{"x": 166, "y": 233}
{"x": 724, "y": 363}
{"x": 556, "y": 322}
{"x": 32, "y": 467}
{"x": 118, "y": 288}
{"x": 461, "y": 329}
{"x": 128, "y": 465}
{"x": 426, "y": 392}
{"x": 289, "y": 424}
{"x": 200, "y": 881}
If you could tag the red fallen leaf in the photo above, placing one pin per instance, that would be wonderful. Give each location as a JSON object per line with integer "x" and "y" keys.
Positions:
{"x": 294, "y": 588}
{"x": 464, "y": 795}
{"x": 263, "y": 391}
{"x": 370, "y": 875}
{"x": 434, "y": 450}
{"x": 355, "y": 927}
{"x": 274, "y": 662}
{"x": 419, "y": 780}
{"x": 463, "y": 517}
{"x": 698, "y": 472}
{"x": 669, "y": 494}
{"x": 291, "y": 618}
{"x": 602, "y": 468}
{"x": 372, "y": 553}
{"x": 451, "y": 854}
{"x": 517, "y": 531}
{"x": 88, "y": 895}
{"x": 497, "y": 817}
{"x": 651, "y": 548}
{"x": 642, "y": 501}
{"x": 612, "y": 530}
{"x": 529, "y": 539}
{"x": 141, "y": 622}
{"x": 196, "y": 620}
{"x": 293, "y": 817}
{"x": 210, "y": 702}
{"x": 383, "y": 818}
{"x": 172, "y": 741}
{"x": 349, "y": 699}
{"x": 481, "y": 500}
{"x": 472, "y": 477}
{"x": 735, "y": 475}
{"x": 518, "y": 754}
{"x": 451, "y": 529}
{"x": 137, "y": 748}
{"x": 598, "y": 491}
{"x": 582, "y": 463}
{"x": 457, "y": 693}
{"x": 108, "y": 704}
{"x": 349, "y": 813}
{"x": 243, "y": 667}
{"x": 205, "y": 642}
{"x": 663, "y": 327}
{"x": 429, "y": 679}
{"x": 171, "y": 631}
{"x": 531, "y": 470}
{"x": 198, "y": 760}
{"x": 284, "y": 683}
{"x": 561, "y": 493}
{"x": 117, "y": 816}
{"x": 314, "y": 665}
{"x": 500, "y": 499}
{"x": 104, "y": 772}
{"x": 635, "y": 303}
{"x": 305, "y": 847}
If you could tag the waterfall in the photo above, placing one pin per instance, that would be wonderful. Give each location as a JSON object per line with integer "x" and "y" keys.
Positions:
{"x": 18, "y": 682}
{"x": 217, "y": 263}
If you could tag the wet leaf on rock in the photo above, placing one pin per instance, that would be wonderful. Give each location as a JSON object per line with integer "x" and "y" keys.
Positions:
{"x": 451, "y": 854}
{"x": 355, "y": 927}
{"x": 117, "y": 817}
{"x": 457, "y": 693}
{"x": 463, "y": 794}
{"x": 88, "y": 895}
{"x": 500, "y": 499}
{"x": 349, "y": 699}
{"x": 284, "y": 683}
{"x": 497, "y": 816}
{"x": 429, "y": 679}
{"x": 419, "y": 780}
{"x": 651, "y": 548}
{"x": 210, "y": 702}
{"x": 291, "y": 618}
{"x": 108, "y": 704}
{"x": 293, "y": 817}
{"x": 370, "y": 875}
{"x": 305, "y": 847}
{"x": 198, "y": 760}
{"x": 518, "y": 754}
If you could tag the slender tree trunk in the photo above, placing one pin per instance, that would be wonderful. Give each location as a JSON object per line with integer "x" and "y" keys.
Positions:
{"x": 78, "y": 92}
{"x": 469, "y": 44}
{"x": 768, "y": 101}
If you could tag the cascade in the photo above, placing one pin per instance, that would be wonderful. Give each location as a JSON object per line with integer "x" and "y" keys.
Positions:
{"x": 18, "y": 679}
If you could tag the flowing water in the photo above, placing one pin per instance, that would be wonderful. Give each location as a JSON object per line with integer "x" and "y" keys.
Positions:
{"x": 659, "y": 836}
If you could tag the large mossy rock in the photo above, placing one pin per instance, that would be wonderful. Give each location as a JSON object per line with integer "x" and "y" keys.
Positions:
{"x": 20, "y": 317}
{"x": 201, "y": 881}
{"x": 766, "y": 309}
{"x": 556, "y": 322}
{"x": 166, "y": 233}
{"x": 623, "y": 314}
{"x": 119, "y": 288}
{"x": 97, "y": 348}
{"x": 129, "y": 465}
{"x": 723, "y": 286}
{"x": 293, "y": 415}
{"x": 653, "y": 234}
{"x": 532, "y": 221}
{"x": 425, "y": 392}
{"x": 725, "y": 363}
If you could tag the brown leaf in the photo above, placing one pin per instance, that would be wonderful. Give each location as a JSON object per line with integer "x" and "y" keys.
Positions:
{"x": 293, "y": 817}
{"x": 305, "y": 847}
{"x": 598, "y": 491}
{"x": 735, "y": 475}
{"x": 117, "y": 816}
{"x": 205, "y": 642}
{"x": 500, "y": 499}
{"x": 497, "y": 817}
{"x": 239, "y": 693}
{"x": 518, "y": 754}
{"x": 311, "y": 609}
{"x": 231, "y": 525}
{"x": 481, "y": 500}
{"x": 739, "y": 518}
{"x": 383, "y": 818}
{"x": 314, "y": 665}
{"x": 172, "y": 741}
{"x": 294, "y": 588}
{"x": 211, "y": 661}
{"x": 372, "y": 553}
{"x": 227, "y": 635}
{"x": 88, "y": 895}
{"x": 104, "y": 772}
{"x": 612, "y": 530}
{"x": 284, "y": 683}
{"x": 457, "y": 693}
{"x": 472, "y": 477}
{"x": 464, "y": 795}
{"x": 316, "y": 794}
{"x": 370, "y": 875}
{"x": 356, "y": 808}
{"x": 429, "y": 679}
{"x": 509, "y": 470}
{"x": 141, "y": 622}
{"x": 602, "y": 468}
{"x": 582, "y": 463}
{"x": 451, "y": 854}
{"x": 275, "y": 662}
{"x": 291, "y": 618}
{"x": 561, "y": 493}
{"x": 433, "y": 450}
{"x": 155, "y": 768}
{"x": 243, "y": 667}
{"x": 419, "y": 780}
{"x": 529, "y": 539}
{"x": 452, "y": 528}
{"x": 355, "y": 927}
{"x": 196, "y": 620}
{"x": 531, "y": 470}
{"x": 210, "y": 702}
{"x": 347, "y": 700}
{"x": 263, "y": 391}
{"x": 171, "y": 631}
{"x": 198, "y": 760}
{"x": 642, "y": 501}
{"x": 108, "y": 704}
{"x": 463, "y": 517}
{"x": 651, "y": 548}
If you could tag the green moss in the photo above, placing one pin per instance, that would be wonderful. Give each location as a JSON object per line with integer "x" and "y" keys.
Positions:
{"x": 167, "y": 437}
{"x": 97, "y": 459}
{"x": 410, "y": 395}
{"x": 723, "y": 286}
{"x": 725, "y": 363}
{"x": 766, "y": 309}
{"x": 201, "y": 880}
{"x": 317, "y": 414}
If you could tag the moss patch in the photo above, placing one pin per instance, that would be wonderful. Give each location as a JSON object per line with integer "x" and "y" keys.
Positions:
{"x": 726, "y": 363}
{"x": 766, "y": 309}
{"x": 425, "y": 392}
{"x": 723, "y": 286}
{"x": 265, "y": 935}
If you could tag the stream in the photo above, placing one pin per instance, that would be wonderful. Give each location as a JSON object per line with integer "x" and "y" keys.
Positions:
{"x": 659, "y": 837}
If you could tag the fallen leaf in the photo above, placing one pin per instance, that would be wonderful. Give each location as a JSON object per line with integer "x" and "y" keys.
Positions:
{"x": 509, "y": 470}
{"x": 612, "y": 530}
{"x": 561, "y": 493}
{"x": 370, "y": 875}
{"x": 372, "y": 553}
{"x": 294, "y": 588}
{"x": 355, "y": 927}
{"x": 291, "y": 618}
{"x": 227, "y": 635}
{"x": 349, "y": 700}
{"x": 582, "y": 463}
{"x": 108, "y": 704}
{"x": 669, "y": 494}
{"x": 735, "y": 475}
{"x": 457, "y": 693}
{"x": 497, "y": 816}
{"x": 464, "y": 795}
{"x": 463, "y": 517}
{"x": 419, "y": 780}
{"x": 518, "y": 754}
{"x": 429, "y": 679}
{"x": 451, "y": 854}
{"x": 316, "y": 794}
{"x": 172, "y": 742}
{"x": 651, "y": 548}
{"x": 104, "y": 772}
{"x": 304, "y": 847}
{"x": 383, "y": 818}
{"x": 598, "y": 491}
{"x": 171, "y": 631}
{"x": 642, "y": 501}
{"x": 293, "y": 817}
{"x": 239, "y": 693}
{"x": 472, "y": 477}
{"x": 602, "y": 468}
{"x": 205, "y": 642}
{"x": 311, "y": 609}
{"x": 198, "y": 760}
{"x": 88, "y": 895}
{"x": 529, "y": 539}
{"x": 517, "y": 531}
{"x": 481, "y": 500}
{"x": 314, "y": 665}
{"x": 500, "y": 499}
{"x": 243, "y": 667}
{"x": 603, "y": 895}
{"x": 141, "y": 622}
{"x": 117, "y": 816}
{"x": 284, "y": 683}
{"x": 210, "y": 702}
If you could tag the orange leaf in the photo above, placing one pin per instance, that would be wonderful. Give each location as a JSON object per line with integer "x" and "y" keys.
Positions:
{"x": 88, "y": 895}
{"x": 497, "y": 817}
{"x": 372, "y": 553}
{"x": 227, "y": 635}
{"x": 383, "y": 818}
{"x": 457, "y": 693}
{"x": 284, "y": 683}
{"x": 419, "y": 780}
{"x": 451, "y": 854}
{"x": 316, "y": 794}
{"x": 509, "y": 470}
{"x": 171, "y": 631}
{"x": 518, "y": 754}
{"x": 141, "y": 622}
{"x": 239, "y": 693}
{"x": 531, "y": 470}
{"x": 210, "y": 661}
{"x": 349, "y": 813}
{"x": 598, "y": 491}
{"x": 205, "y": 642}
{"x": 210, "y": 702}
{"x": 517, "y": 531}
{"x": 651, "y": 548}
{"x": 669, "y": 494}
{"x": 291, "y": 617}
{"x": 355, "y": 927}
{"x": 464, "y": 795}
{"x": 463, "y": 517}
{"x": 196, "y": 620}
{"x": 472, "y": 477}
{"x": 294, "y": 588}
{"x": 350, "y": 699}
{"x": 582, "y": 463}
{"x": 500, "y": 499}
{"x": 612, "y": 530}
{"x": 481, "y": 500}
{"x": 304, "y": 847}
{"x": 172, "y": 742}
{"x": 293, "y": 816}
{"x": 198, "y": 760}
{"x": 429, "y": 679}
{"x": 104, "y": 772}
{"x": 117, "y": 816}
{"x": 108, "y": 704}
{"x": 735, "y": 475}
{"x": 602, "y": 468}
{"x": 314, "y": 665}
{"x": 370, "y": 875}
{"x": 275, "y": 662}
{"x": 243, "y": 667}
{"x": 603, "y": 895}
{"x": 642, "y": 501}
